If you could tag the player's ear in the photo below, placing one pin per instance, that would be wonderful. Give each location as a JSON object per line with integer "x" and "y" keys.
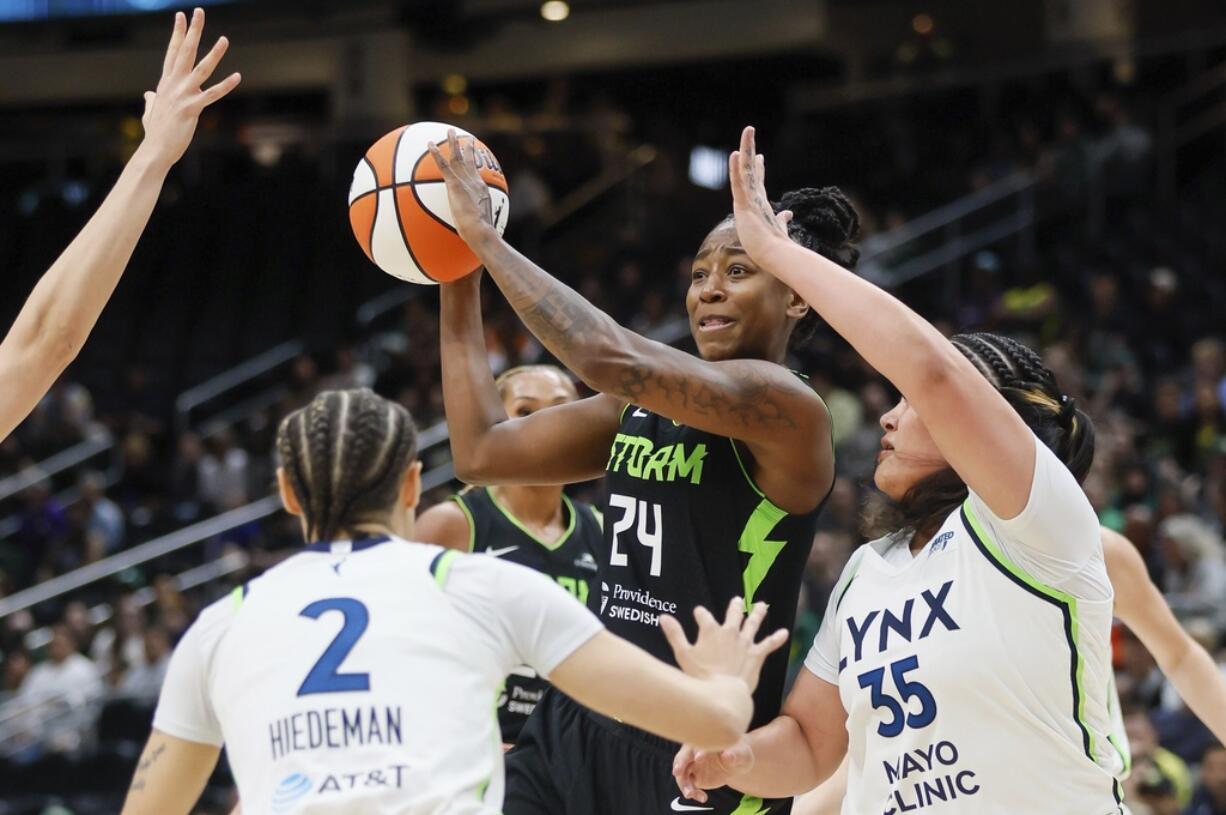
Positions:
{"x": 410, "y": 491}
{"x": 288, "y": 499}
{"x": 797, "y": 307}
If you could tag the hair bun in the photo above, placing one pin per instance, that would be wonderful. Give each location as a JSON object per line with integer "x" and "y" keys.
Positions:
{"x": 827, "y": 215}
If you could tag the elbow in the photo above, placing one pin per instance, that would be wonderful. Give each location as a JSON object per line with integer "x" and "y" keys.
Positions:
{"x": 56, "y": 347}
{"x": 470, "y": 470}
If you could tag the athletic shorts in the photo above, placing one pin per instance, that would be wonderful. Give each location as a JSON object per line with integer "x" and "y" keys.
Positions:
{"x": 571, "y": 761}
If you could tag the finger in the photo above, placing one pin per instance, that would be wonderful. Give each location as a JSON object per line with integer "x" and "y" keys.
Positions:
{"x": 176, "y": 40}
{"x": 683, "y": 759}
{"x": 205, "y": 69}
{"x": 749, "y": 631}
{"x": 785, "y": 217}
{"x": 747, "y": 141}
{"x": 759, "y": 166}
{"x": 675, "y": 635}
{"x": 704, "y": 618}
{"x": 186, "y": 57}
{"x": 457, "y": 151}
{"x": 735, "y": 613}
{"x": 769, "y": 645}
{"x": 220, "y": 89}
{"x": 150, "y": 96}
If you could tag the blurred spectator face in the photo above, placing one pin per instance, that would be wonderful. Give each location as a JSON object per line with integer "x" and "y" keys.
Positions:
{"x": 63, "y": 644}
{"x": 1207, "y": 405}
{"x": 1166, "y": 401}
{"x": 908, "y": 452}
{"x": 157, "y": 645}
{"x": 1104, "y": 293}
{"x": 190, "y": 448}
{"x": 1213, "y": 772}
{"x": 1209, "y": 360}
{"x": 736, "y": 310}
{"x": 16, "y": 666}
{"x": 1142, "y": 737}
{"x": 76, "y": 617}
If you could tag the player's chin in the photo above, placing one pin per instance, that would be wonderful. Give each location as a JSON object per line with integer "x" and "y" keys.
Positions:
{"x": 716, "y": 348}
{"x": 887, "y": 479}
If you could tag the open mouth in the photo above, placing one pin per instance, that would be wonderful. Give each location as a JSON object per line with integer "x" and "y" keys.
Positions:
{"x": 715, "y": 322}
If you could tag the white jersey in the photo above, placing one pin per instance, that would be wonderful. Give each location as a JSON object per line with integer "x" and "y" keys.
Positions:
{"x": 975, "y": 674}
{"x": 363, "y": 677}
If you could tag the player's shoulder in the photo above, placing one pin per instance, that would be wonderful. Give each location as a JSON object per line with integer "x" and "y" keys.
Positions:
{"x": 448, "y": 523}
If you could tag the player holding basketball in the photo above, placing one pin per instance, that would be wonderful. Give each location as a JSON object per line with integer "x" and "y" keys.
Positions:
{"x": 1139, "y": 605}
{"x": 537, "y": 527}
{"x": 357, "y": 675}
{"x": 715, "y": 466}
{"x": 963, "y": 665}
{"x": 61, "y": 311}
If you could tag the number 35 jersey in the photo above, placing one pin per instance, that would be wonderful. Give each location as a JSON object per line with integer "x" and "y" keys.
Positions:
{"x": 972, "y": 684}
{"x": 686, "y": 526}
{"x": 361, "y": 677}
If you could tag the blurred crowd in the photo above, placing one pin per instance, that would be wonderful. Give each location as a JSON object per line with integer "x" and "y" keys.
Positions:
{"x": 1124, "y": 319}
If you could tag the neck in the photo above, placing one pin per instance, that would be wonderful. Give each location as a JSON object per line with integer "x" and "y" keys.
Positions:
{"x": 532, "y": 505}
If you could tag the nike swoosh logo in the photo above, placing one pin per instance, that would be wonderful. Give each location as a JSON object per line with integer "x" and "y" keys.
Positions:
{"x": 500, "y": 552}
{"x": 677, "y": 806}
{"x": 639, "y": 412}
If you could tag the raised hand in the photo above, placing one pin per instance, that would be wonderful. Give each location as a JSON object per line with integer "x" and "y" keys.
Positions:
{"x": 471, "y": 206}
{"x": 726, "y": 648}
{"x": 172, "y": 111}
{"x": 697, "y": 771}
{"x": 757, "y": 225}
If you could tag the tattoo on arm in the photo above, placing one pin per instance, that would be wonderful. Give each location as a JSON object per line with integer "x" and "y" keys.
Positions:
{"x": 756, "y": 403}
{"x": 146, "y": 762}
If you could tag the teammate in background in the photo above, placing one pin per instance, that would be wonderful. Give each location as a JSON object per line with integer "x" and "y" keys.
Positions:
{"x": 537, "y": 527}
{"x": 964, "y": 661}
{"x": 1140, "y": 606}
{"x": 356, "y": 676}
{"x": 715, "y": 466}
{"x": 61, "y": 311}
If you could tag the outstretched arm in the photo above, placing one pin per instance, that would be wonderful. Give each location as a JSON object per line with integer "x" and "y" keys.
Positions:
{"x": 1185, "y": 663}
{"x": 750, "y": 400}
{"x": 557, "y": 445}
{"x": 978, "y": 433}
{"x": 61, "y": 311}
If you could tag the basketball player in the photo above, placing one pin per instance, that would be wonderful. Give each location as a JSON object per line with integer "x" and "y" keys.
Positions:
{"x": 964, "y": 662}
{"x": 716, "y": 467}
{"x": 357, "y": 675}
{"x": 537, "y": 527}
{"x": 61, "y": 311}
{"x": 1139, "y": 605}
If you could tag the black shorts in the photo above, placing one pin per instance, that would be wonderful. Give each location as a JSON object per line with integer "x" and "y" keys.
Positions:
{"x": 571, "y": 761}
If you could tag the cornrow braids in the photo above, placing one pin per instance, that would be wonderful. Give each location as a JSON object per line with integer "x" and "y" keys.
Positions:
{"x": 1031, "y": 389}
{"x": 345, "y": 455}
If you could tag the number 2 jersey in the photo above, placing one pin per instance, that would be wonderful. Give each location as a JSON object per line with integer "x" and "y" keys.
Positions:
{"x": 570, "y": 562}
{"x": 685, "y": 525}
{"x": 976, "y": 674}
{"x": 361, "y": 677}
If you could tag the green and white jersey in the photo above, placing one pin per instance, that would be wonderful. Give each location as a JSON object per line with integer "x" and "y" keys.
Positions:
{"x": 975, "y": 673}
{"x": 361, "y": 677}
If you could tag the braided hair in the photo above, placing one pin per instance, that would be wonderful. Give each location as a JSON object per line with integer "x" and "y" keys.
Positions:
{"x": 1020, "y": 376}
{"x": 345, "y": 455}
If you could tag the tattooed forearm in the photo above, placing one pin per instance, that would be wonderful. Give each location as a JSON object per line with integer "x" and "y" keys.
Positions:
{"x": 146, "y": 762}
{"x": 754, "y": 402}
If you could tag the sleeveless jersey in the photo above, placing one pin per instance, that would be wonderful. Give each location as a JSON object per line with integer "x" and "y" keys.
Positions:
{"x": 359, "y": 677}
{"x": 972, "y": 687}
{"x": 571, "y": 563}
{"x": 686, "y": 526}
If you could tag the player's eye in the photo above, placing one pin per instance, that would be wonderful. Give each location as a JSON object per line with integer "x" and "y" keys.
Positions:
{"x": 522, "y": 412}
{"x": 737, "y": 271}
{"x": 698, "y": 274}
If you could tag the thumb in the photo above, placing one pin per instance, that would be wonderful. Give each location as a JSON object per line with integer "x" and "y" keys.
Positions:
{"x": 784, "y": 217}
{"x": 737, "y": 758}
{"x": 149, "y": 97}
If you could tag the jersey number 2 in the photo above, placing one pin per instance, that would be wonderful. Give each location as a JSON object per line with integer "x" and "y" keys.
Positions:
{"x": 651, "y": 539}
{"x": 324, "y": 677}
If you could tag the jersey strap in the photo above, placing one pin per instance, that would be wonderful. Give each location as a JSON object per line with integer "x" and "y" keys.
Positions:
{"x": 468, "y": 515}
{"x": 440, "y": 567}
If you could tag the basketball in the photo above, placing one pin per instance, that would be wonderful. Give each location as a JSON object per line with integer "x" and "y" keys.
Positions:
{"x": 399, "y": 211}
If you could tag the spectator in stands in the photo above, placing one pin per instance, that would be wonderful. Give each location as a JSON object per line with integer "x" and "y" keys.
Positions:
{"x": 105, "y": 524}
{"x": 1195, "y": 560}
{"x": 17, "y": 664}
{"x": 143, "y": 682}
{"x": 1160, "y": 780}
{"x": 223, "y": 473}
{"x": 1210, "y": 796}
{"x": 44, "y": 525}
{"x": 59, "y": 695}
{"x": 77, "y": 618}
{"x": 350, "y": 372}
{"x": 120, "y": 646}
{"x": 184, "y": 490}
{"x": 62, "y": 418}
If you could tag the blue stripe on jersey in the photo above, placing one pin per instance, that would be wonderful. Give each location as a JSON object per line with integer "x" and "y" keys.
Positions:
{"x": 356, "y": 545}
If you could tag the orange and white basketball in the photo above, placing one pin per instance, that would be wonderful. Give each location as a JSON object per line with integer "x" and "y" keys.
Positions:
{"x": 399, "y": 211}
